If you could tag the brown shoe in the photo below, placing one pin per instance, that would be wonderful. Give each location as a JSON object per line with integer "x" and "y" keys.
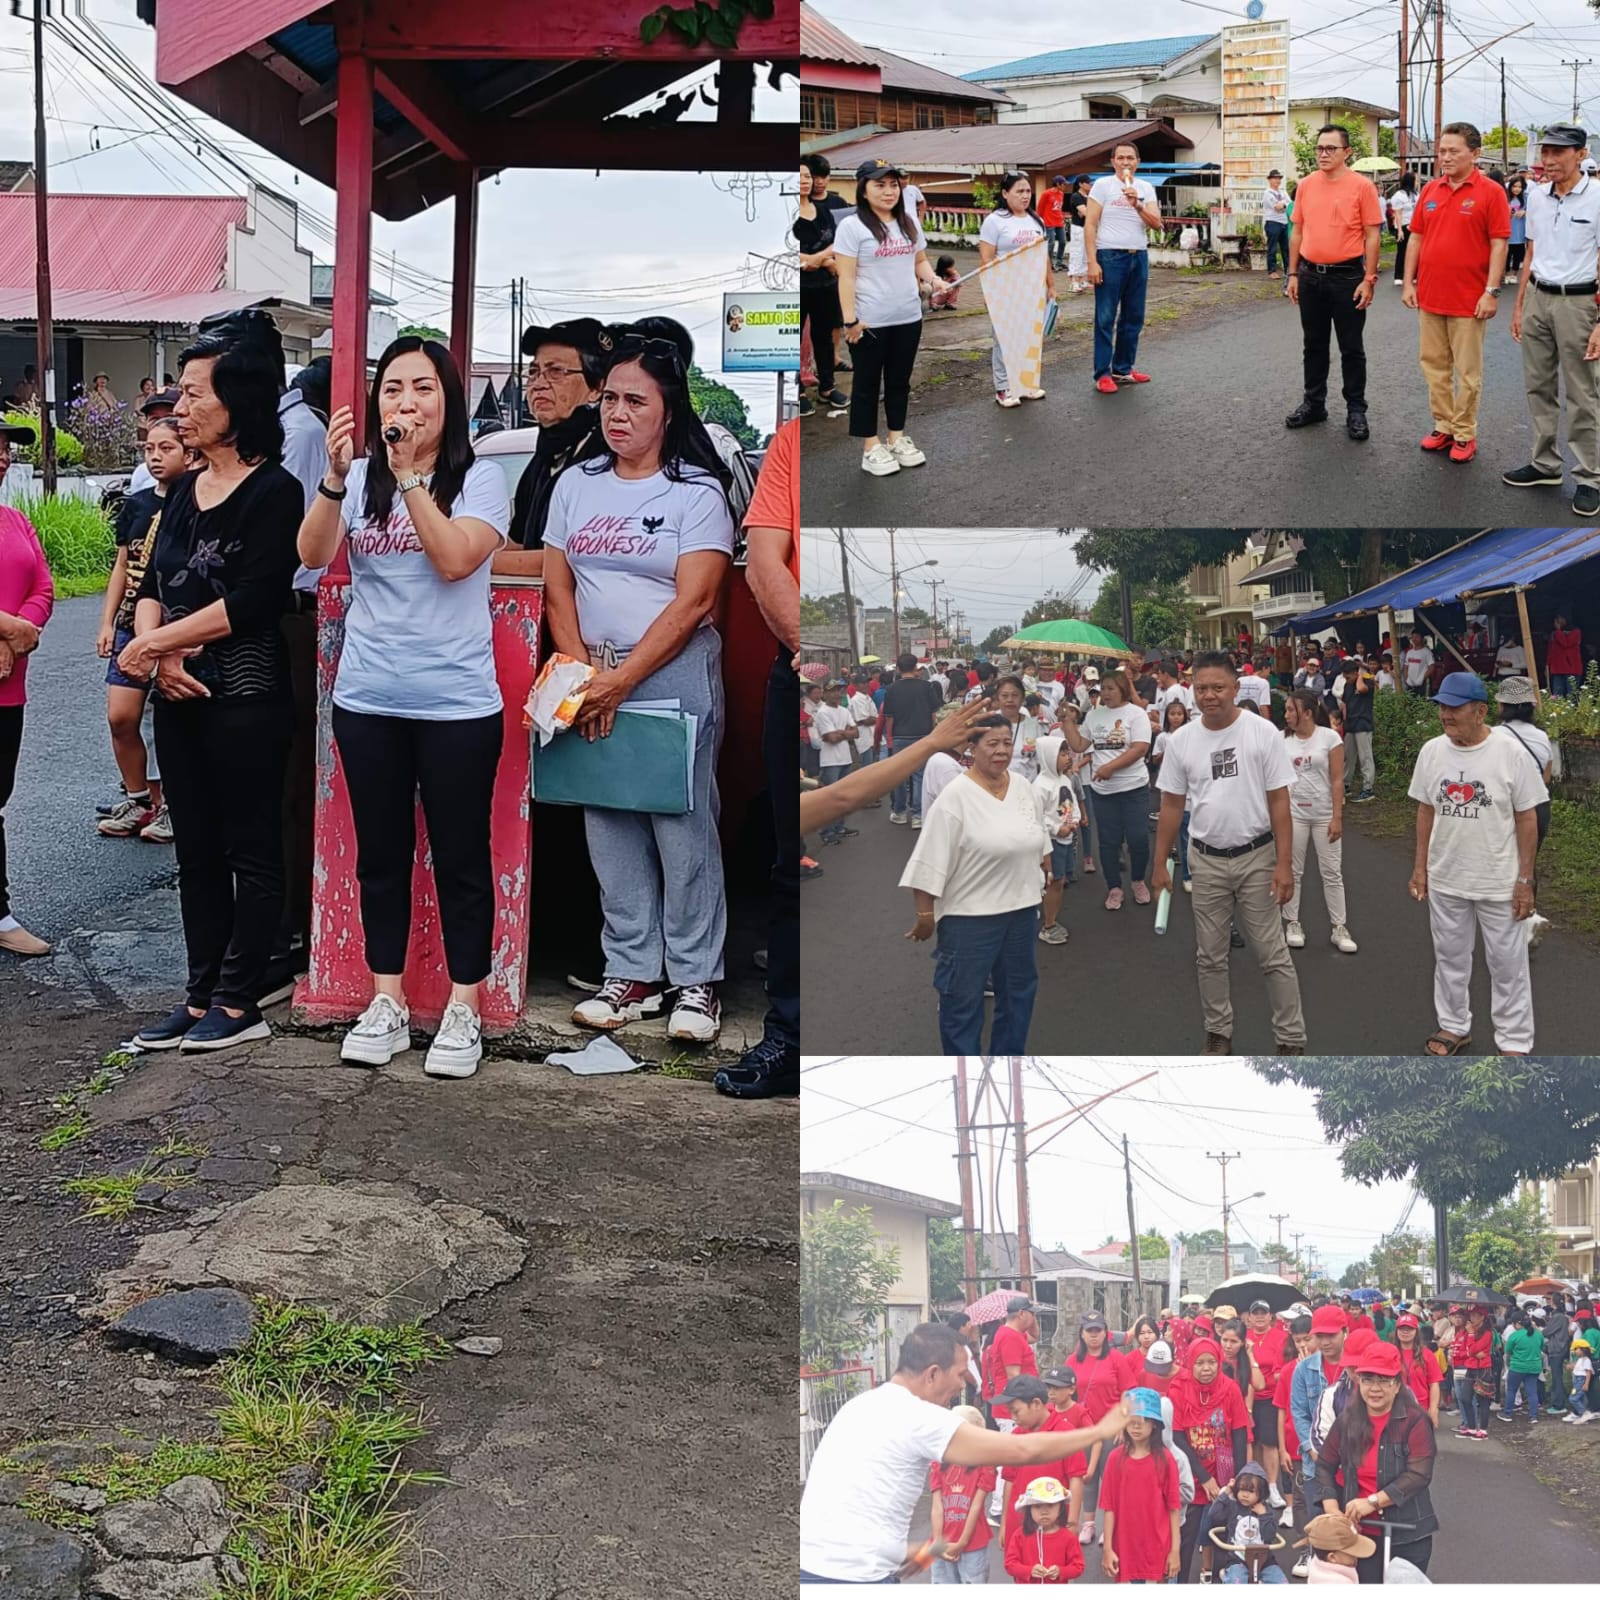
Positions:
{"x": 22, "y": 943}
{"x": 1218, "y": 1044}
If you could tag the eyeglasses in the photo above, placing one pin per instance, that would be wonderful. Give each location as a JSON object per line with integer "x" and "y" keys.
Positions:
{"x": 552, "y": 374}
{"x": 1330, "y": 149}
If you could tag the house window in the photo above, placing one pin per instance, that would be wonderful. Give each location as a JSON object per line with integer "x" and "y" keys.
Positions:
{"x": 930, "y": 116}
{"x": 827, "y": 115}
{"x": 1107, "y": 111}
{"x": 1572, "y": 1204}
{"x": 808, "y": 111}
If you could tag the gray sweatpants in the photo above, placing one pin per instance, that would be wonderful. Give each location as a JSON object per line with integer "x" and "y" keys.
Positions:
{"x": 1358, "y": 746}
{"x": 1239, "y": 889}
{"x": 661, "y": 888}
{"x": 1555, "y": 331}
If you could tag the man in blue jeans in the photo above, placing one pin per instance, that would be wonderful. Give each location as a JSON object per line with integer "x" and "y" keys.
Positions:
{"x": 833, "y": 735}
{"x": 909, "y": 704}
{"x": 1120, "y": 209}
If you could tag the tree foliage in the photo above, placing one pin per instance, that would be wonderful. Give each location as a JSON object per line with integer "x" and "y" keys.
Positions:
{"x": 947, "y": 1262}
{"x": 1491, "y": 1259}
{"x": 1355, "y": 1274}
{"x": 1152, "y": 1247}
{"x": 1305, "y": 142}
{"x": 1394, "y": 1261}
{"x": 423, "y": 330}
{"x": 1515, "y": 138}
{"x": 1388, "y": 141}
{"x": 1163, "y": 614}
{"x": 845, "y": 1278}
{"x": 716, "y": 402}
{"x": 1054, "y": 607}
{"x": 1518, "y": 1222}
{"x": 1470, "y": 1130}
{"x": 995, "y": 639}
{"x": 1199, "y": 1243}
{"x": 1156, "y": 555}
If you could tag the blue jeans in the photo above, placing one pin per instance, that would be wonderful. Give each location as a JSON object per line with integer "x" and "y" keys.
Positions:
{"x": 1271, "y": 1572}
{"x": 1528, "y": 1383}
{"x": 1063, "y": 861}
{"x": 913, "y": 784}
{"x": 827, "y": 776}
{"x": 1123, "y": 816}
{"x": 971, "y": 1566}
{"x": 1089, "y": 833}
{"x": 1277, "y": 244}
{"x": 1562, "y": 684}
{"x": 970, "y": 950}
{"x": 1119, "y": 309}
{"x": 1579, "y": 1403}
{"x": 1058, "y": 247}
{"x": 1474, "y": 1407}
{"x": 1183, "y": 847}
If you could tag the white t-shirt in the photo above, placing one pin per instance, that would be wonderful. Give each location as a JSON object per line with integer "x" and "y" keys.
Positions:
{"x": 976, "y": 855}
{"x": 1511, "y": 660}
{"x": 1385, "y": 679}
{"x": 866, "y": 717}
{"x": 936, "y": 775}
{"x": 913, "y": 197}
{"x": 416, "y": 644}
{"x": 1121, "y": 227}
{"x": 1534, "y": 739}
{"x": 1564, "y": 233}
{"x": 1110, "y": 730}
{"x": 1416, "y": 663}
{"x": 886, "y": 271}
{"x": 623, "y": 538}
{"x": 1007, "y": 231}
{"x": 830, "y": 719}
{"x": 1053, "y": 794}
{"x": 1226, "y": 773}
{"x": 1474, "y": 792}
{"x": 869, "y": 1470}
{"x": 1054, "y": 692}
{"x": 1165, "y": 697}
{"x": 1401, "y": 205}
{"x": 1024, "y": 748}
{"x": 1582, "y": 1367}
{"x": 1311, "y": 794}
{"x": 1274, "y": 205}
{"x": 1255, "y": 689}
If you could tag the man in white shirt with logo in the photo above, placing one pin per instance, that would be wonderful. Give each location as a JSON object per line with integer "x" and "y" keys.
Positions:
{"x": 1169, "y": 687}
{"x": 1120, "y": 208}
{"x": 1231, "y": 772}
{"x": 1477, "y": 831}
{"x": 870, "y": 1468}
{"x": 1416, "y": 662}
{"x": 1254, "y": 690}
{"x": 833, "y": 734}
{"x": 1558, "y": 324}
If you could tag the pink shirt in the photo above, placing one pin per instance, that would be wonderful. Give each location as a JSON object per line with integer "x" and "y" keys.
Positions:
{"x": 25, "y": 590}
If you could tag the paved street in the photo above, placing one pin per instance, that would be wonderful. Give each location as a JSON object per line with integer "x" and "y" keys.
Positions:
{"x": 1203, "y": 445}
{"x": 870, "y": 992}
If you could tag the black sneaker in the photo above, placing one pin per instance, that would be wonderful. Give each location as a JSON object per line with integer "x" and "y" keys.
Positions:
{"x": 805, "y": 407}
{"x": 837, "y": 402}
{"x": 1586, "y": 501}
{"x": 812, "y": 871}
{"x": 1531, "y": 478}
{"x": 1355, "y": 424}
{"x": 1305, "y": 414}
{"x": 772, "y": 1068}
{"x": 216, "y": 1030}
{"x": 168, "y": 1033}
{"x": 1235, "y": 938}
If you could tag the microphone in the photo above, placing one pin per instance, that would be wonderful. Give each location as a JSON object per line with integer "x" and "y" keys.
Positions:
{"x": 394, "y": 433}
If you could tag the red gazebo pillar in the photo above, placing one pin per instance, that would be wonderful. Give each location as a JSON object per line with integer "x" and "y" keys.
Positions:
{"x": 463, "y": 270}
{"x": 352, "y": 261}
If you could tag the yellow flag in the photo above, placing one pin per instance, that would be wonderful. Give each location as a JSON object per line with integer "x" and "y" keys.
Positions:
{"x": 1013, "y": 291}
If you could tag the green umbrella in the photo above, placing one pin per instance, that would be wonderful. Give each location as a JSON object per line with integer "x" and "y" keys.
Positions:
{"x": 1374, "y": 164}
{"x": 1070, "y": 637}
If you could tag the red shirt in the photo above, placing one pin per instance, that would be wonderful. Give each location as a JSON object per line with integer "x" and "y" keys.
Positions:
{"x": 1367, "y": 1472}
{"x": 1008, "y": 1348}
{"x": 1066, "y": 1469}
{"x": 959, "y": 1485}
{"x": 1049, "y": 207}
{"x": 1132, "y": 1487}
{"x": 1281, "y": 1393}
{"x": 1133, "y": 1366}
{"x": 1420, "y": 1371}
{"x": 1455, "y": 227}
{"x": 1564, "y": 654}
{"x": 1472, "y": 1352}
{"x": 1100, "y": 1383}
{"x": 1210, "y": 1427}
{"x": 1058, "y": 1548}
{"x": 1267, "y": 1348}
{"x": 1359, "y": 1319}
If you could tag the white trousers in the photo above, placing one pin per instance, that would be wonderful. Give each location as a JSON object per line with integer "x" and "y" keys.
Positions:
{"x": 1077, "y": 254}
{"x": 1330, "y": 858}
{"x": 1505, "y": 949}
{"x": 997, "y": 1498}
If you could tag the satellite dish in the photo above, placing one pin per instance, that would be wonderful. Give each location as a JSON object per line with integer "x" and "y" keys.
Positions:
{"x": 1255, "y": 9}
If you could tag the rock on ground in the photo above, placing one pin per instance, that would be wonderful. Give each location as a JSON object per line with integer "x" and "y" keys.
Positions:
{"x": 162, "y": 1580}
{"x": 372, "y": 1252}
{"x": 186, "y": 1520}
{"x": 39, "y": 1562}
{"x": 194, "y": 1325}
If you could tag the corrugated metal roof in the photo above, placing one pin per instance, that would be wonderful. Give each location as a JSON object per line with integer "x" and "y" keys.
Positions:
{"x": 1095, "y": 58}
{"x": 899, "y": 73}
{"x": 1026, "y": 144}
{"x": 136, "y": 244}
{"x": 821, "y": 41}
{"x": 133, "y": 310}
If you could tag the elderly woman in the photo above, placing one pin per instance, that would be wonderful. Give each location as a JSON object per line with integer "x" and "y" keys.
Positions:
{"x": 26, "y": 598}
{"x": 100, "y": 397}
{"x": 976, "y": 874}
{"x": 206, "y": 631}
{"x": 637, "y": 545}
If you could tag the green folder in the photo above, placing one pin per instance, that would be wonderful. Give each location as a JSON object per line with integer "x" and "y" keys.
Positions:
{"x": 647, "y": 764}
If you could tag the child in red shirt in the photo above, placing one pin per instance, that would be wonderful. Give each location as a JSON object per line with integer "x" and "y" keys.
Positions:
{"x": 1031, "y": 1412}
{"x": 959, "y": 1494}
{"x": 1042, "y": 1548}
{"x": 1140, "y": 1499}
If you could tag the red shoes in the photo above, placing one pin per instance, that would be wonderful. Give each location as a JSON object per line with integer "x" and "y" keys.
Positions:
{"x": 1463, "y": 450}
{"x": 1131, "y": 377}
{"x": 1437, "y": 441}
{"x": 1106, "y": 384}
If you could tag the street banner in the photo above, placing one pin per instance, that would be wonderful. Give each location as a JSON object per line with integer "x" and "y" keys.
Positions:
{"x": 1013, "y": 292}
{"x": 761, "y": 331}
{"x": 1174, "y": 1272}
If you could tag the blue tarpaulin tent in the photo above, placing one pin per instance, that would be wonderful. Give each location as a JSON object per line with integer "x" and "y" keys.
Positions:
{"x": 1498, "y": 562}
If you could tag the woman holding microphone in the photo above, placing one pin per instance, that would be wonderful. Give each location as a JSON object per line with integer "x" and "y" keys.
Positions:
{"x": 416, "y": 704}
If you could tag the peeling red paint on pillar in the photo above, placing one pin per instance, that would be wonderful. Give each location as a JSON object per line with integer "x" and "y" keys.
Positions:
{"x": 339, "y": 984}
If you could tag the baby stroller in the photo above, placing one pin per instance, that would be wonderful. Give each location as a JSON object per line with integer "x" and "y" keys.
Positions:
{"x": 1255, "y": 1556}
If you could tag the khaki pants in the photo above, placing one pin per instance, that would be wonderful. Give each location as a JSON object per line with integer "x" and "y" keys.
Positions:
{"x": 1555, "y": 330}
{"x": 1238, "y": 889}
{"x": 1451, "y": 351}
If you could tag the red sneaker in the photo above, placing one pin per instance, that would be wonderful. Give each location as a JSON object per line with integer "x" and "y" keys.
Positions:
{"x": 1463, "y": 449}
{"x": 1131, "y": 377}
{"x": 1106, "y": 385}
{"x": 1437, "y": 441}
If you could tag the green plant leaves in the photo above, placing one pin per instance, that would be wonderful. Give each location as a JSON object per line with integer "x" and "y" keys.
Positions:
{"x": 702, "y": 22}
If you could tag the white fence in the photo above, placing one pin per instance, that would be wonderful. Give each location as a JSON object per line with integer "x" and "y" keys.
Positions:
{"x": 821, "y": 1396}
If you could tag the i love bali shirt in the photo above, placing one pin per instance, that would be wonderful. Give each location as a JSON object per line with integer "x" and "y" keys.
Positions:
{"x": 1475, "y": 792}
{"x": 623, "y": 538}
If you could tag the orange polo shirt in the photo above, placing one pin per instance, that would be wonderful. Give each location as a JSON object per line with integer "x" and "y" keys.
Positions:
{"x": 1456, "y": 227}
{"x": 1333, "y": 214}
{"x": 776, "y": 501}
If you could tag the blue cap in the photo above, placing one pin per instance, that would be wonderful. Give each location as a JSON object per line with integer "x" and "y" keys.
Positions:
{"x": 1461, "y": 689}
{"x": 1144, "y": 1403}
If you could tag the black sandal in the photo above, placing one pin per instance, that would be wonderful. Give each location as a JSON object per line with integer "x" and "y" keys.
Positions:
{"x": 1452, "y": 1045}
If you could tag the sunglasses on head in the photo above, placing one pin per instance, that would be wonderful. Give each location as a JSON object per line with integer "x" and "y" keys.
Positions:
{"x": 633, "y": 344}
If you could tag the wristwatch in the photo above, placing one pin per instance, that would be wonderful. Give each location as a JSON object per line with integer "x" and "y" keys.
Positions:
{"x": 1528, "y": 881}
{"x": 1493, "y": 288}
{"x": 406, "y": 485}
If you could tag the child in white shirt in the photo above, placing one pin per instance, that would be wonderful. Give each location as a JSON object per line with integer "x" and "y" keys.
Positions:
{"x": 1059, "y": 815}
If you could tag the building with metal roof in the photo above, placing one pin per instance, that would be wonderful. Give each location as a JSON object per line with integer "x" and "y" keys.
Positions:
{"x": 1132, "y": 55}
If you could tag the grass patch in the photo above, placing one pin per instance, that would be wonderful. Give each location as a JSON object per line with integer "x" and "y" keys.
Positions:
{"x": 938, "y": 377}
{"x": 73, "y": 1128}
{"x": 121, "y": 1059}
{"x": 77, "y": 540}
{"x": 309, "y": 1393}
{"x": 115, "y": 1195}
{"x": 678, "y": 1066}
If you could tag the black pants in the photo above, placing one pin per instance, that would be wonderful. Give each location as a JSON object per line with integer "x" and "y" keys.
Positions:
{"x": 783, "y": 937}
{"x": 820, "y": 307}
{"x": 387, "y": 760}
{"x": 1327, "y": 308}
{"x": 883, "y": 356}
{"x": 222, "y": 770}
{"x": 1370, "y": 1569}
{"x": 1514, "y": 255}
{"x": 10, "y": 746}
{"x": 1400, "y": 240}
{"x": 299, "y": 630}
{"x": 1188, "y": 1538}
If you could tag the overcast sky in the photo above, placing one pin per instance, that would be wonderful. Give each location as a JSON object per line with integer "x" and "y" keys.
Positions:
{"x": 1076, "y": 1191}
{"x": 991, "y": 574}
{"x": 1345, "y": 47}
{"x": 617, "y": 246}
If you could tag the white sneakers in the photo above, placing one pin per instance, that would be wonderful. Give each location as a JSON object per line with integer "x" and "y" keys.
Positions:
{"x": 1294, "y": 935}
{"x": 905, "y": 452}
{"x": 1053, "y": 934}
{"x": 1537, "y": 927}
{"x": 1031, "y": 394}
{"x": 696, "y": 1015}
{"x": 1004, "y": 397}
{"x": 879, "y": 461}
{"x": 1340, "y": 939}
{"x": 457, "y": 1047}
{"x": 379, "y": 1034}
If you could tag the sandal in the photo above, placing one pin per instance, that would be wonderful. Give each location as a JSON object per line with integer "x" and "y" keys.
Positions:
{"x": 1449, "y": 1043}
{"x": 1088, "y": 866}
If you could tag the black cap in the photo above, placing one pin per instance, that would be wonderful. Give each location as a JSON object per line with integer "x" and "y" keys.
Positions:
{"x": 18, "y": 432}
{"x": 1061, "y": 1378}
{"x": 1018, "y": 1302}
{"x": 1350, "y": 664}
{"x": 1024, "y": 1387}
{"x": 1093, "y": 1320}
{"x": 1259, "y": 1305}
{"x": 877, "y": 167}
{"x": 1568, "y": 135}
{"x": 582, "y": 333}
{"x": 162, "y": 397}
{"x": 1274, "y": 173}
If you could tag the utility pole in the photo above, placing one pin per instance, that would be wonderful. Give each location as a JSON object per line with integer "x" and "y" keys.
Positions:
{"x": 1020, "y": 1138}
{"x": 1505, "y": 132}
{"x": 1438, "y": 78}
{"x": 964, "y": 1156}
{"x": 1279, "y": 1217}
{"x": 849, "y": 603}
{"x": 1126, "y": 597}
{"x": 1133, "y": 1227}
{"x": 45, "y": 338}
{"x": 894, "y": 598}
{"x": 1575, "y": 65}
{"x": 994, "y": 1107}
{"x": 1405, "y": 80}
{"x": 1441, "y": 1248}
{"x": 1297, "y": 1237}
{"x": 934, "y": 584}
{"x": 1222, "y": 1161}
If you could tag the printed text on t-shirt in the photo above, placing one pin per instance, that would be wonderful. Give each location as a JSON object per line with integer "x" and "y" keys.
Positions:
{"x": 611, "y": 536}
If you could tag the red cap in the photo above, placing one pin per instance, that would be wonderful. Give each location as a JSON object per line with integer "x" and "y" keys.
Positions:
{"x": 1406, "y": 1320}
{"x": 1328, "y": 1319}
{"x": 1379, "y": 1358}
{"x": 1360, "y": 1339}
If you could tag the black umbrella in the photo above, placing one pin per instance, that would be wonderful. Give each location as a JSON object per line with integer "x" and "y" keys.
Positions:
{"x": 1279, "y": 1293}
{"x": 1469, "y": 1294}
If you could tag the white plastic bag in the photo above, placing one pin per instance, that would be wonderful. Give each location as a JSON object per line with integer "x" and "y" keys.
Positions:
{"x": 1189, "y": 239}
